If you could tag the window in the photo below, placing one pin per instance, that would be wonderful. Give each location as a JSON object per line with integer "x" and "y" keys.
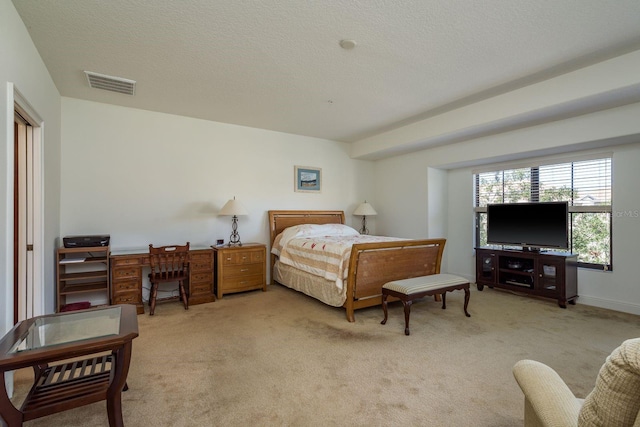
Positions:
{"x": 585, "y": 184}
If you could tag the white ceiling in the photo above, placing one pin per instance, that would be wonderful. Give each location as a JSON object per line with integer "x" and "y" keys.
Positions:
{"x": 278, "y": 64}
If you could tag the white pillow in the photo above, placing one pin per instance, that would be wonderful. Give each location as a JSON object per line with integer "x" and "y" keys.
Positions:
{"x": 311, "y": 230}
{"x": 315, "y": 230}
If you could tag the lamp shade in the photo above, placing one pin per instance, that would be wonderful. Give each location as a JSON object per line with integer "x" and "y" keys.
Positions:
{"x": 233, "y": 207}
{"x": 365, "y": 209}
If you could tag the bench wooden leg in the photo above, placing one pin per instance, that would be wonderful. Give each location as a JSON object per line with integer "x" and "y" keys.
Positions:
{"x": 466, "y": 301}
{"x": 407, "y": 313}
{"x": 384, "y": 308}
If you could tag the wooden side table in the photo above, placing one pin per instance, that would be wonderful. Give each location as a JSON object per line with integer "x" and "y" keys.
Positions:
{"x": 240, "y": 268}
{"x": 42, "y": 340}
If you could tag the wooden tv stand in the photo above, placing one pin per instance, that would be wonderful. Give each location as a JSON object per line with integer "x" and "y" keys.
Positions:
{"x": 545, "y": 274}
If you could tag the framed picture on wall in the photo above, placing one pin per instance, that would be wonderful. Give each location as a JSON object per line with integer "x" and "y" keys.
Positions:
{"x": 307, "y": 179}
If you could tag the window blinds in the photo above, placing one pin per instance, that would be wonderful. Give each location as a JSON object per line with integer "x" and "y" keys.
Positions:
{"x": 581, "y": 183}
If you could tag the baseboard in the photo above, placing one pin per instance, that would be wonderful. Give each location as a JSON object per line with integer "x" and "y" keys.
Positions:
{"x": 624, "y": 307}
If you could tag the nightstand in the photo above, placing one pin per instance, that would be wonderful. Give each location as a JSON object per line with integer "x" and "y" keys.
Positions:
{"x": 240, "y": 268}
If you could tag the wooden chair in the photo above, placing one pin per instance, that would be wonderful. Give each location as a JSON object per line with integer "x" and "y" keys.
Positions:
{"x": 168, "y": 264}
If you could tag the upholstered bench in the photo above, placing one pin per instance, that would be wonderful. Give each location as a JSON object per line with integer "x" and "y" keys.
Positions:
{"x": 408, "y": 290}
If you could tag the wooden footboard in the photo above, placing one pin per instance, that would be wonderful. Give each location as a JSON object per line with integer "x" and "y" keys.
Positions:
{"x": 373, "y": 264}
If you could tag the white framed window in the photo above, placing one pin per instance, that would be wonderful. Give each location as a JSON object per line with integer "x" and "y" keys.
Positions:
{"x": 584, "y": 183}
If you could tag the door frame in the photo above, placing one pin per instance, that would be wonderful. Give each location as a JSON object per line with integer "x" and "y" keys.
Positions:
{"x": 17, "y": 102}
{"x": 24, "y": 108}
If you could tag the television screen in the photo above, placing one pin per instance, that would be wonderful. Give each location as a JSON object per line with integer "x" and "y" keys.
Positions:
{"x": 537, "y": 225}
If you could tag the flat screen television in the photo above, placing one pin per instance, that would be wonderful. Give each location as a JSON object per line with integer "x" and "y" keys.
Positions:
{"x": 530, "y": 225}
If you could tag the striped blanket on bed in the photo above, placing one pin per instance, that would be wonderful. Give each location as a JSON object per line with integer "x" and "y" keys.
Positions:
{"x": 324, "y": 256}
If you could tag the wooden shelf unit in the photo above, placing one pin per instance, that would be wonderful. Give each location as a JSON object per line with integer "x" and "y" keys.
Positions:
{"x": 546, "y": 274}
{"x": 81, "y": 271}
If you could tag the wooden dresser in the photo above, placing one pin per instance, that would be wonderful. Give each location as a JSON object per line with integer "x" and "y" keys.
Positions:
{"x": 240, "y": 268}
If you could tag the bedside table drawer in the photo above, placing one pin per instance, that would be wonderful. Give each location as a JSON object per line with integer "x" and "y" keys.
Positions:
{"x": 242, "y": 270}
{"x": 249, "y": 282}
{"x": 257, "y": 256}
{"x": 246, "y": 257}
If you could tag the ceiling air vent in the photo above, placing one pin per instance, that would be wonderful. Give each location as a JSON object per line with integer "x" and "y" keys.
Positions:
{"x": 110, "y": 83}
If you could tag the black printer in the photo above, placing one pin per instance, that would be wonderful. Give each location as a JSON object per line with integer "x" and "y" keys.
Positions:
{"x": 86, "y": 241}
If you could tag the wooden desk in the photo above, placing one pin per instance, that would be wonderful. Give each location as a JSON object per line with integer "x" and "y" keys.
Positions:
{"x": 126, "y": 276}
{"x": 57, "y": 337}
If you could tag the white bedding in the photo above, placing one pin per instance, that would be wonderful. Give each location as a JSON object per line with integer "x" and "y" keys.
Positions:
{"x": 321, "y": 250}
{"x": 314, "y": 286}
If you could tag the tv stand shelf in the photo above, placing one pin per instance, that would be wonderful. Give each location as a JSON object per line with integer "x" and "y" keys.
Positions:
{"x": 546, "y": 274}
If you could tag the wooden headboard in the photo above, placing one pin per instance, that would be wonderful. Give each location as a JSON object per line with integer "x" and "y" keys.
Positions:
{"x": 279, "y": 220}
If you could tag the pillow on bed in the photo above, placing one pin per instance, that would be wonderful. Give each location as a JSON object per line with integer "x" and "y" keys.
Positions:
{"x": 311, "y": 230}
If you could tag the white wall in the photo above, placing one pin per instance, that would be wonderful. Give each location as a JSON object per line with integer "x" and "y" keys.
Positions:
{"x": 146, "y": 177}
{"x": 22, "y": 68}
{"x": 22, "y": 71}
{"x": 615, "y": 130}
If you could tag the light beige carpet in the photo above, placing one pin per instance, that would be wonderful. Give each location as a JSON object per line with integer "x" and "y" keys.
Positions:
{"x": 282, "y": 358}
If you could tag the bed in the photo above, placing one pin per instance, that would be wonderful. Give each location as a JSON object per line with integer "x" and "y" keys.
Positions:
{"x": 368, "y": 266}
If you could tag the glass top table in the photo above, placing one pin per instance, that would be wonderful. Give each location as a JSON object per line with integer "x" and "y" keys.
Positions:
{"x": 53, "y": 345}
{"x": 53, "y": 330}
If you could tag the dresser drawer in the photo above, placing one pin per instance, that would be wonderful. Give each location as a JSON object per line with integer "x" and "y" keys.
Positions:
{"x": 202, "y": 277}
{"x": 115, "y": 261}
{"x": 127, "y": 298}
{"x": 205, "y": 265}
{"x": 242, "y": 270}
{"x": 244, "y": 257}
{"x": 124, "y": 286}
{"x": 242, "y": 282}
{"x": 132, "y": 272}
{"x": 200, "y": 288}
{"x": 205, "y": 256}
{"x": 257, "y": 256}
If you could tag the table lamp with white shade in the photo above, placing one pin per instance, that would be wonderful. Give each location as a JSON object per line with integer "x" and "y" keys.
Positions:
{"x": 233, "y": 208}
{"x": 364, "y": 209}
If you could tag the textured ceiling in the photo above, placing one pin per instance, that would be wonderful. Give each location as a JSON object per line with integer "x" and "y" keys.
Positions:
{"x": 278, "y": 65}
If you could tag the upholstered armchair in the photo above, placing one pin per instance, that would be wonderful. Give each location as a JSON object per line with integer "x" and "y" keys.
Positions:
{"x": 614, "y": 401}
